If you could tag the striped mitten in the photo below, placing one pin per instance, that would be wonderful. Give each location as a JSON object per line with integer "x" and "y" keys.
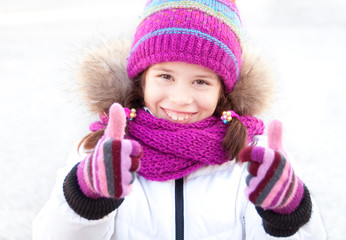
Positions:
{"x": 109, "y": 170}
{"x": 272, "y": 184}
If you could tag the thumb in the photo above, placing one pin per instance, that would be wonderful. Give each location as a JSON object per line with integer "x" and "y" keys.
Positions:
{"x": 275, "y": 136}
{"x": 116, "y": 122}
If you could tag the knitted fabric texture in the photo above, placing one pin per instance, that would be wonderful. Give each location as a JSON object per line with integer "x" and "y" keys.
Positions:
{"x": 172, "y": 150}
{"x": 272, "y": 183}
{"x": 203, "y": 32}
{"x": 108, "y": 170}
{"x": 285, "y": 225}
{"x": 84, "y": 206}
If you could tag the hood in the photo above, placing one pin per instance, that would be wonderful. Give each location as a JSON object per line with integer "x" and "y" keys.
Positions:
{"x": 101, "y": 79}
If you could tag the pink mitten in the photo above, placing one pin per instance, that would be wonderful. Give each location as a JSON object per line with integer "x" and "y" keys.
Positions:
{"x": 272, "y": 183}
{"x": 109, "y": 170}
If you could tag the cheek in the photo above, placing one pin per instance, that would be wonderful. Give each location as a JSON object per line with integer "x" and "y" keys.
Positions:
{"x": 212, "y": 106}
{"x": 147, "y": 98}
{"x": 152, "y": 95}
{"x": 209, "y": 102}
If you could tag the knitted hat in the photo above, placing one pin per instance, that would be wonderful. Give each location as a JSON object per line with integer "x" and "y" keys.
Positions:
{"x": 203, "y": 32}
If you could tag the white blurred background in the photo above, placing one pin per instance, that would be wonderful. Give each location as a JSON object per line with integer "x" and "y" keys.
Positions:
{"x": 40, "y": 117}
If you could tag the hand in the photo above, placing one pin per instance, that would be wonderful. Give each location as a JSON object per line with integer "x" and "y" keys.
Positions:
{"x": 272, "y": 183}
{"x": 109, "y": 170}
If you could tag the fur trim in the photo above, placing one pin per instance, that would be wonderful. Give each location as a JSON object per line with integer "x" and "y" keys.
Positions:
{"x": 254, "y": 91}
{"x": 102, "y": 80}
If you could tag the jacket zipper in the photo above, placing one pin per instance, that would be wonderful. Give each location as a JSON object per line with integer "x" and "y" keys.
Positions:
{"x": 179, "y": 209}
{"x": 244, "y": 227}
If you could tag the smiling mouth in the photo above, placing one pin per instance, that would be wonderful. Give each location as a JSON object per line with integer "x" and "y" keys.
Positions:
{"x": 177, "y": 116}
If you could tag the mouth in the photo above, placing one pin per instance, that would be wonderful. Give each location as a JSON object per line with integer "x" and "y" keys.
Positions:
{"x": 176, "y": 116}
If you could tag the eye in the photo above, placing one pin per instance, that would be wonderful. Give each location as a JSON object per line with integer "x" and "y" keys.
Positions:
{"x": 201, "y": 82}
{"x": 166, "y": 76}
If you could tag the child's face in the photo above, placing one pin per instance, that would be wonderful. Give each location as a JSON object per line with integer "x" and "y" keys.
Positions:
{"x": 181, "y": 92}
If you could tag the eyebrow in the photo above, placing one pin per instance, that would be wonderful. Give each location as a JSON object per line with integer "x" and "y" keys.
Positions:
{"x": 159, "y": 68}
{"x": 162, "y": 69}
{"x": 205, "y": 76}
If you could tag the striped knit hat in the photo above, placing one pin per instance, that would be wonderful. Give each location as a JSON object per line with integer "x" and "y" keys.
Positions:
{"x": 203, "y": 32}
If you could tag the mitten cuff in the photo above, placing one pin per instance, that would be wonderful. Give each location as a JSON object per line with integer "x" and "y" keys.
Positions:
{"x": 280, "y": 225}
{"x": 88, "y": 208}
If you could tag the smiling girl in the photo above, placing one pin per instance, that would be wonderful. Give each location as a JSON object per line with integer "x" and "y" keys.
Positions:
{"x": 181, "y": 92}
{"x": 178, "y": 152}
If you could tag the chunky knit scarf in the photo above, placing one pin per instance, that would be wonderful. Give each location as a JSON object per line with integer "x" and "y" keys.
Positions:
{"x": 173, "y": 150}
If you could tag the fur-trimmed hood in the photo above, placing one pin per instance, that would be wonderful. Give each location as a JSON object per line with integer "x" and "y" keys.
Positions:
{"x": 101, "y": 80}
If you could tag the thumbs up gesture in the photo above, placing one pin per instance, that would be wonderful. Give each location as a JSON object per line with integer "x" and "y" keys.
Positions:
{"x": 271, "y": 183}
{"x": 110, "y": 169}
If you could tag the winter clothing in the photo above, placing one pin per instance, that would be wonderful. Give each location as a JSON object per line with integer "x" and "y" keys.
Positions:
{"x": 214, "y": 207}
{"x": 208, "y": 203}
{"x": 164, "y": 143}
{"x": 272, "y": 183}
{"x": 108, "y": 170}
{"x": 166, "y": 156}
{"x": 203, "y": 32}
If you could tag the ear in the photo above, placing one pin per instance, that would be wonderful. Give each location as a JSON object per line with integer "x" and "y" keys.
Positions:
{"x": 253, "y": 93}
{"x": 101, "y": 77}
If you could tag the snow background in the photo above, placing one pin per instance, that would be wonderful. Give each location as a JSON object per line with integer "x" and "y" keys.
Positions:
{"x": 41, "y": 118}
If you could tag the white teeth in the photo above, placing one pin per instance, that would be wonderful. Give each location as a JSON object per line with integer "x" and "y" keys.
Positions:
{"x": 176, "y": 118}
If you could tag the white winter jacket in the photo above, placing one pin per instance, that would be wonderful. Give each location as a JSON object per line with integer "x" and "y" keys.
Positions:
{"x": 214, "y": 207}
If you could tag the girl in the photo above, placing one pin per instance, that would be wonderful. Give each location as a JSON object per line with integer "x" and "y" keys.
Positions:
{"x": 170, "y": 168}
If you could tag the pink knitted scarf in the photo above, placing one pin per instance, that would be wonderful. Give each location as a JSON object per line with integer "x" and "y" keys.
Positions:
{"x": 173, "y": 150}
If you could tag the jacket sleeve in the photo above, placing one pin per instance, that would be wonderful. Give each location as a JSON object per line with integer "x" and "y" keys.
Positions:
{"x": 57, "y": 220}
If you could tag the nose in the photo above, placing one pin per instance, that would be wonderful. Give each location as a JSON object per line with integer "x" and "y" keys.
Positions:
{"x": 181, "y": 95}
